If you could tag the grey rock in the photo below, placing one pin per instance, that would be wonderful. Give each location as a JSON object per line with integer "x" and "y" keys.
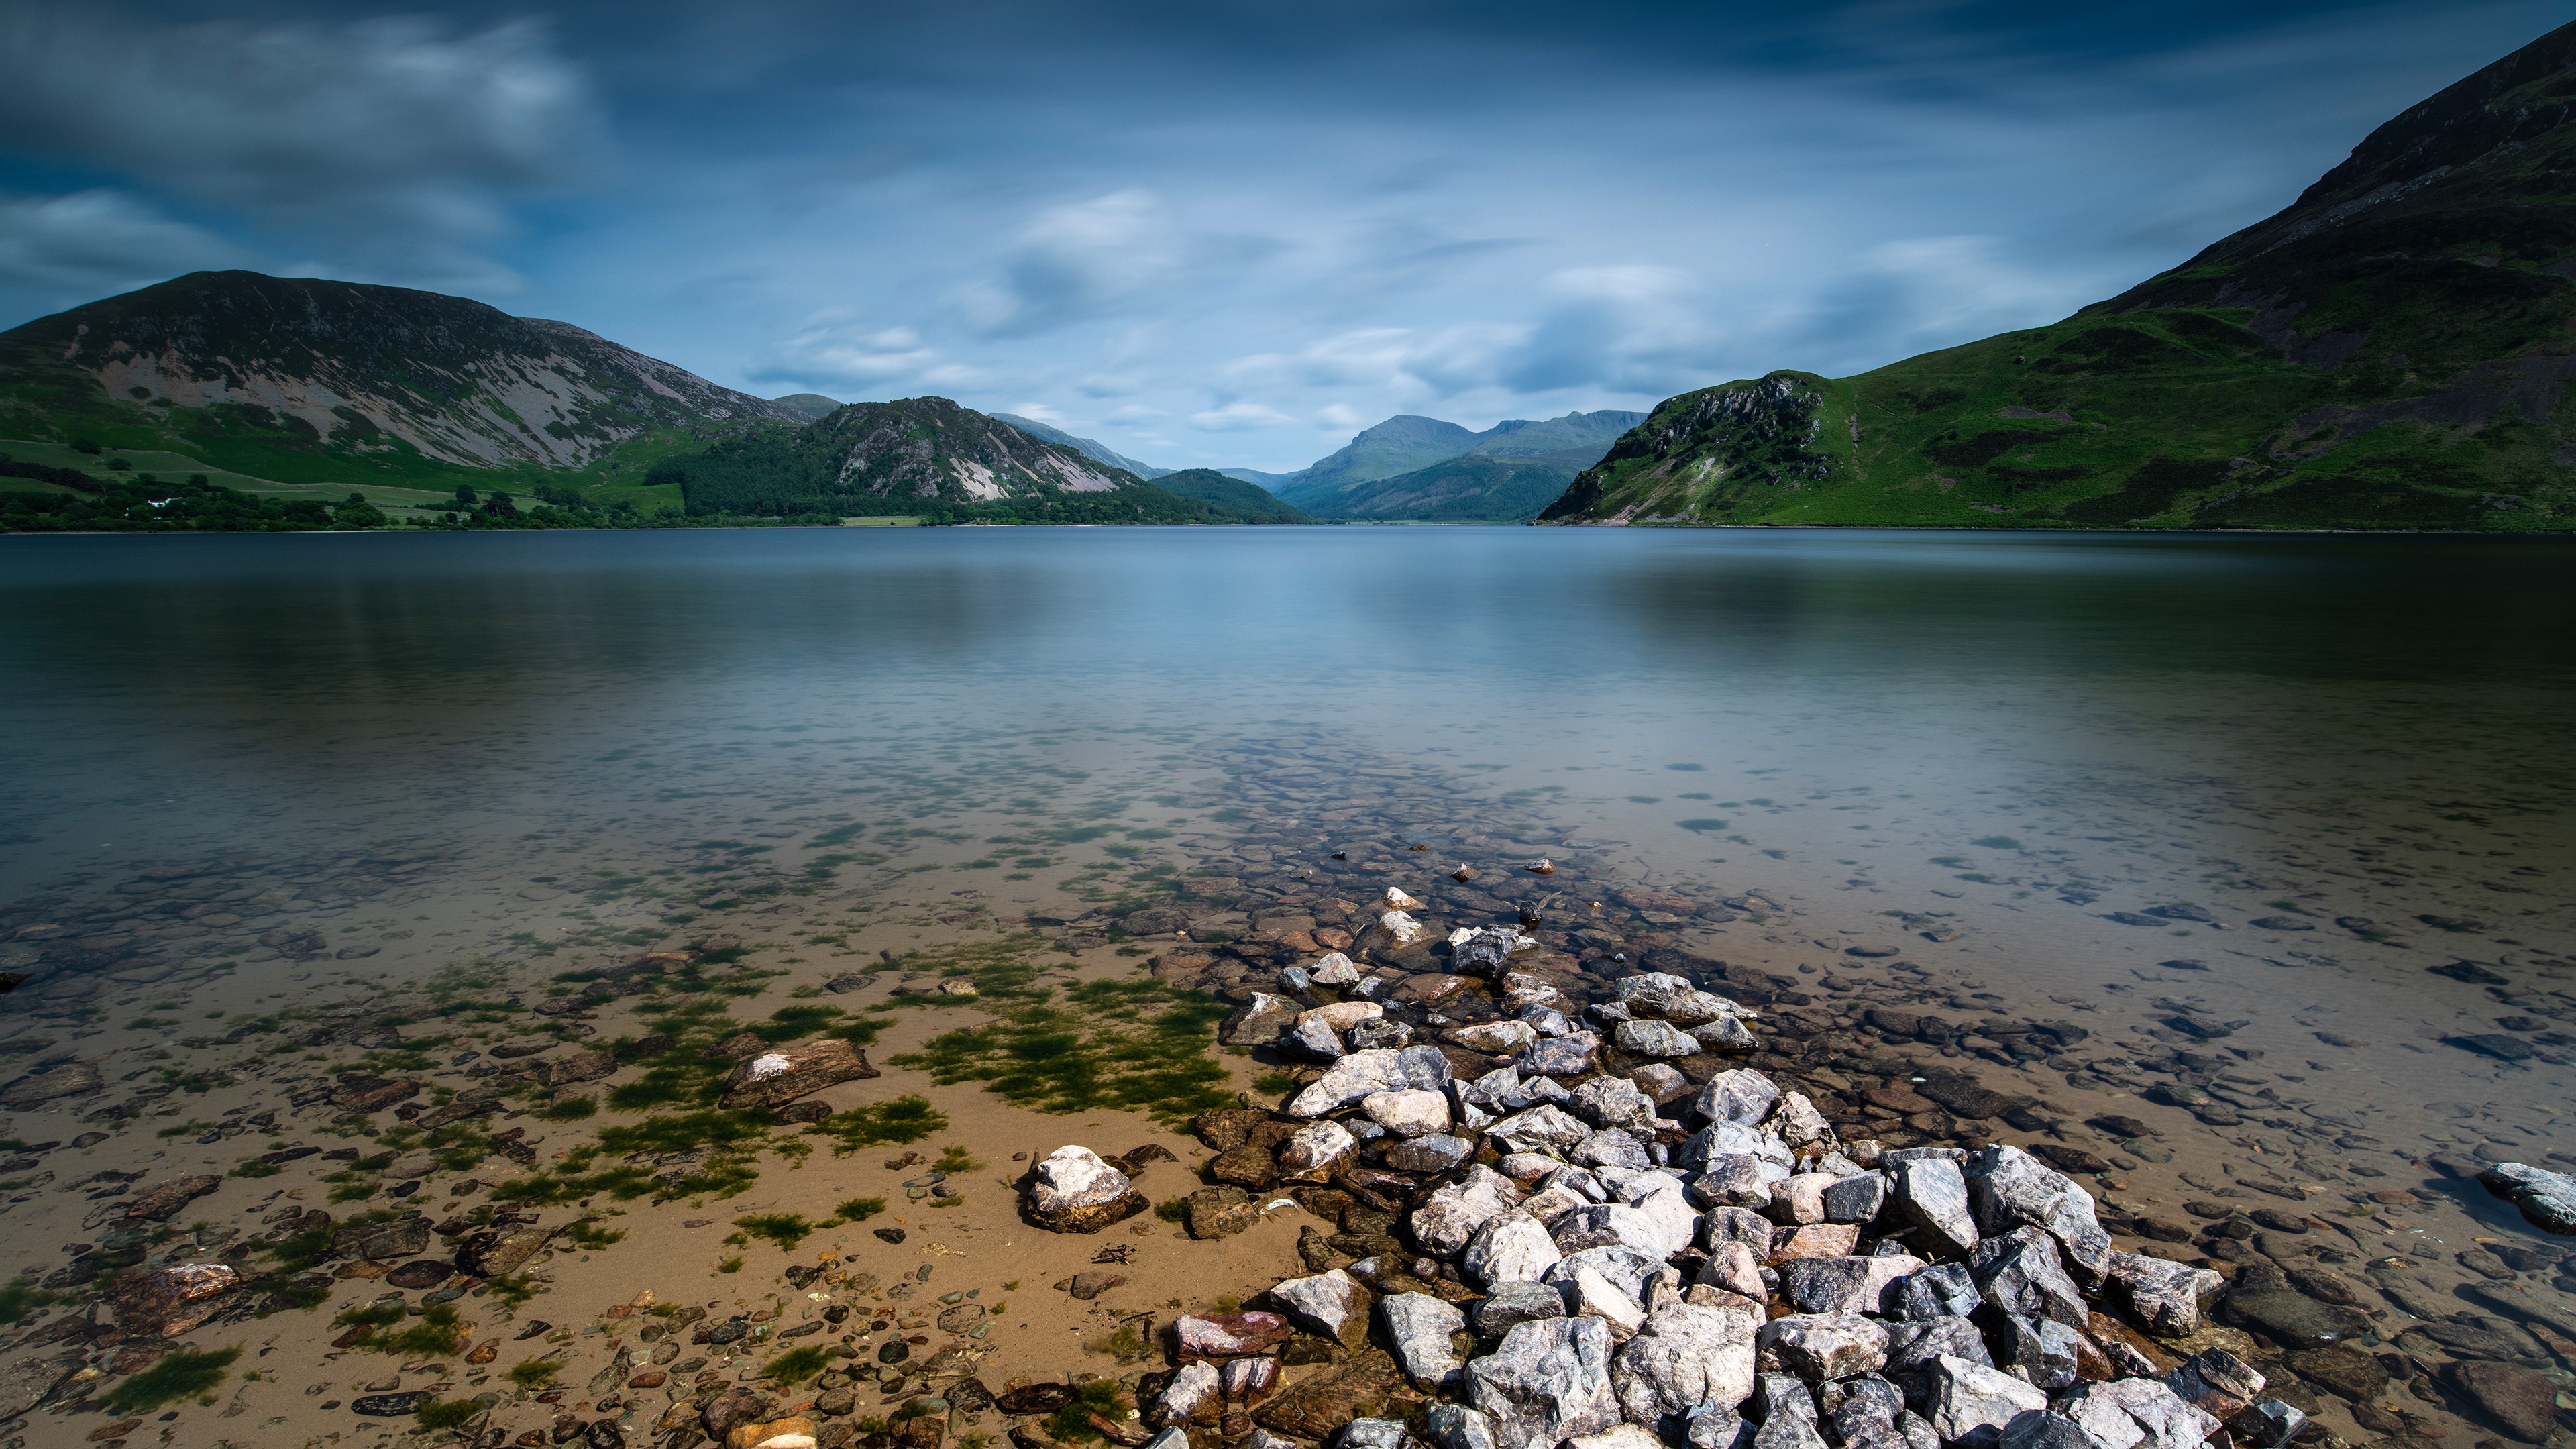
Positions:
{"x": 2020, "y": 1273}
{"x": 1918, "y": 1348}
{"x": 1686, "y": 1357}
{"x": 1418, "y": 1327}
{"x": 1928, "y": 1203}
{"x": 2164, "y": 1296}
{"x": 1613, "y": 1147}
{"x": 1438, "y": 1152}
{"x": 1863, "y": 1413}
{"x": 1455, "y": 1426}
{"x": 1844, "y": 1284}
{"x": 2292, "y": 1318}
{"x": 1778, "y": 1395}
{"x": 1733, "y": 1182}
{"x": 1547, "y": 1382}
{"x": 1727, "y": 1035}
{"x": 2547, "y": 1199}
{"x": 1543, "y": 1128}
{"x": 1788, "y": 1431}
{"x": 2039, "y": 1429}
{"x": 2041, "y": 1350}
{"x": 1380, "y": 1032}
{"x": 1971, "y": 1403}
{"x": 1795, "y": 1120}
{"x": 2009, "y": 1189}
{"x": 1326, "y": 1303}
{"x": 24, "y": 1382}
{"x": 1714, "y": 1426}
{"x": 1613, "y": 1102}
{"x": 1449, "y": 1221}
{"x": 1741, "y": 1097}
{"x": 1511, "y": 1304}
{"x": 1855, "y": 1199}
{"x": 1625, "y": 1269}
{"x": 1309, "y": 1038}
{"x": 1570, "y": 1055}
{"x": 1800, "y": 1198}
{"x": 1735, "y": 1225}
{"x": 1510, "y": 1248}
{"x": 1654, "y": 1039}
{"x": 1825, "y": 1345}
{"x": 1345, "y": 1082}
{"x": 2135, "y": 1413}
{"x": 1366, "y": 1434}
{"x": 2267, "y": 1423}
{"x": 2216, "y": 1382}
{"x": 1943, "y": 1290}
{"x": 1666, "y": 997}
{"x": 1257, "y": 1022}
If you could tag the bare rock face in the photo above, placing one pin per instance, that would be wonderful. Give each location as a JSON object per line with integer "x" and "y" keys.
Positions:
{"x": 787, "y": 1073}
{"x": 1075, "y": 1192}
{"x": 165, "y": 1301}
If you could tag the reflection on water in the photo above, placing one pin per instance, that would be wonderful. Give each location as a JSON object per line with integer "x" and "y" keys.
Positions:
{"x": 2238, "y": 805}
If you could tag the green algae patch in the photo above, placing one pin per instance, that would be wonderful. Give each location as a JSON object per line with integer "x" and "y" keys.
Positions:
{"x": 1135, "y": 1045}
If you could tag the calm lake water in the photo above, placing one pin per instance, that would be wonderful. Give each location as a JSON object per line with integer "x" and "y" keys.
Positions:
{"x": 2263, "y": 785}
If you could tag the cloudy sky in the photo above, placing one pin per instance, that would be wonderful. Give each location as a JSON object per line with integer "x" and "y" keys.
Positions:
{"x": 1221, "y": 232}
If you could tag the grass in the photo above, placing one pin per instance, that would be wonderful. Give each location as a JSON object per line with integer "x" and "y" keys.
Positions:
{"x": 186, "y": 1373}
{"x": 859, "y": 1209}
{"x": 533, "y": 1375}
{"x": 1072, "y": 1423}
{"x": 20, "y": 1297}
{"x": 437, "y": 1331}
{"x": 784, "y": 1229}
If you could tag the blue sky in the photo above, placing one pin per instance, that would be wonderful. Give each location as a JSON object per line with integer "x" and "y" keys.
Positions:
{"x": 1207, "y": 234}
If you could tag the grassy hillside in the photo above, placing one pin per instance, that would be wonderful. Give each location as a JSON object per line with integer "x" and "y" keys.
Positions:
{"x": 2391, "y": 351}
{"x": 1248, "y": 501}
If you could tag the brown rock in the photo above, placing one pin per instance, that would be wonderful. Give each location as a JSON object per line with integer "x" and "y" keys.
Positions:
{"x": 1815, "y": 1240}
{"x": 496, "y": 1252}
{"x": 2517, "y": 1400}
{"x": 784, "y": 1074}
{"x": 24, "y": 1382}
{"x": 420, "y": 1273}
{"x": 160, "y": 1203}
{"x": 1247, "y": 1166}
{"x": 375, "y": 1098}
{"x": 729, "y": 1411}
{"x": 790, "y": 1430}
{"x": 576, "y": 1068}
{"x": 68, "y": 1080}
{"x": 1317, "y": 1407}
{"x": 1228, "y": 1128}
{"x": 1035, "y": 1399}
{"x": 163, "y": 1302}
{"x": 2341, "y": 1369}
{"x": 1221, "y": 1211}
{"x": 1087, "y": 1286}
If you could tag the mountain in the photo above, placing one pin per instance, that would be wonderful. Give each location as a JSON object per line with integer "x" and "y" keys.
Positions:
{"x": 1093, "y": 449}
{"x": 2389, "y": 351}
{"x": 922, "y": 456}
{"x": 805, "y": 407}
{"x": 1266, "y": 482}
{"x": 1465, "y": 489}
{"x": 1254, "y": 502}
{"x": 1416, "y": 467}
{"x": 299, "y": 378}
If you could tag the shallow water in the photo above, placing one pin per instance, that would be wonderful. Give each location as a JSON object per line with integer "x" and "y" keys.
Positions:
{"x": 402, "y": 755}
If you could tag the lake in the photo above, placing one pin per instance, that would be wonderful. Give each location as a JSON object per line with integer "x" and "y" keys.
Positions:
{"x": 2241, "y": 839}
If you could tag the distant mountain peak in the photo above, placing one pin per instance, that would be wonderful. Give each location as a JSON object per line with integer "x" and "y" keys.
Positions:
{"x": 1091, "y": 448}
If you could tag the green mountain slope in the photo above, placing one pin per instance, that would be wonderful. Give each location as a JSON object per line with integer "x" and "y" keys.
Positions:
{"x": 1249, "y": 500}
{"x": 1538, "y": 458}
{"x": 1464, "y": 489}
{"x": 1399, "y": 445}
{"x": 2390, "y": 351}
{"x": 305, "y": 380}
{"x": 922, "y": 456}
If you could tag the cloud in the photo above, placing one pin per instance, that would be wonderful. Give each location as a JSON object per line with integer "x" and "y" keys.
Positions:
{"x": 834, "y": 349}
{"x": 1071, "y": 263}
{"x": 393, "y": 141}
{"x": 100, "y": 240}
{"x": 1238, "y": 417}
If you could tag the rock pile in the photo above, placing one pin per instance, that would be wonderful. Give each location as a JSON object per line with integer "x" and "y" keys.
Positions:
{"x": 1526, "y": 1263}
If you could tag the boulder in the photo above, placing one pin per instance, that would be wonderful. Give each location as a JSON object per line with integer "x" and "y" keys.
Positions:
{"x": 499, "y": 1252}
{"x": 1844, "y": 1284}
{"x": 1727, "y": 1035}
{"x": 1330, "y": 1303}
{"x": 1660, "y": 996}
{"x": 2039, "y": 1429}
{"x": 1613, "y": 1102}
{"x": 1257, "y": 1022}
{"x": 1333, "y": 969}
{"x": 1317, "y": 1407}
{"x": 1309, "y": 1037}
{"x": 1927, "y": 1201}
{"x": 1418, "y": 1328}
{"x": 1438, "y": 1152}
{"x": 1313, "y": 1153}
{"x": 1733, "y": 1182}
{"x": 1916, "y": 1349}
{"x": 1073, "y": 1191}
{"x": 2009, "y": 1188}
{"x": 1446, "y": 1223}
{"x": 25, "y": 1382}
{"x": 1220, "y": 1211}
{"x": 1650, "y": 1038}
{"x": 1548, "y": 1381}
{"x": 1408, "y": 1113}
{"x": 2547, "y": 1199}
{"x": 1227, "y": 1335}
{"x": 1683, "y": 1358}
{"x": 2041, "y": 1350}
{"x": 2020, "y": 1273}
{"x": 1971, "y": 1403}
{"x": 1855, "y": 1199}
{"x": 1570, "y": 1055}
{"x": 2216, "y": 1382}
{"x": 1511, "y": 1304}
{"x": 71, "y": 1079}
{"x": 1942, "y": 1291}
{"x": 2164, "y": 1296}
{"x": 1509, "y": 1248}
{"x": 1795, "y": 1120}
{"x": 161, "y": 1203}
{"x": 1543, "y": 1128}
{"x": 1193, "y": 1394}
{"x": 2292, "y": 1318}
{"x": 1588, "y": 1294}
{"x": 2516, "y": 1400}
{"x": 1818, "y": 1346}
{"x": 2136, "y": 1414}
{"x": 400, "y": 1238}
{"x": 1494, "y": 1038}
{"x": 1455, "y": 1426}
{"x": 166, "y": 1301}
{"x": 1385, "y": 1069}
{"x": 783, "y": 1074}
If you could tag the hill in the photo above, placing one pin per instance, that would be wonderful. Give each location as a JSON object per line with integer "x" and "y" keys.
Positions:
{"x": 1266, "y": 482}
{"x": 806, "y": 406}
{"x": 300, "y": 379}
{"x": 1503, "y": 474}
{"x": 926, "y": 457}
{"x": 2389, "y": 351}
{"x": 1249, "y": 500}
{"x": 1092, "y": 448}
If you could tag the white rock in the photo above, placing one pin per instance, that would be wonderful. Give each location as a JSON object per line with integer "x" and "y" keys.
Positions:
{"x": 1543, "y": 1128}
{"x": 1495, "y": 1038}
{"x": 1446, "y": 1223}
{"x": 1316, "y": 1147}
{"x": 1323, "y": 1303}
{"x": 1194, "y": 1388}
{"x": 2157, "y": 1416}
{"x": 1408, "y": 1113}
{"x": 1587, "y": 1292}
{"x": 1404, "y": 929}
{"x": 1418, "y": 1327}
{"x": 1742, "y": 1097}
{"x": 1378, "y": 1069}
{"x": 1396, "y": 900}
{"x": 1685, "y": 1357}
{"x": 1509, "y": 1248}
{"x": 1548, "y": 1382}
{"x": 1333, "y": 969}
{"x": 1971, "y": 1403}
{"x": 1820, "y": 1346}
{"x": 1617, "y": 1436}
{"x": 1073, "y": 1189}
{"x": 1343, "y": 1015}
